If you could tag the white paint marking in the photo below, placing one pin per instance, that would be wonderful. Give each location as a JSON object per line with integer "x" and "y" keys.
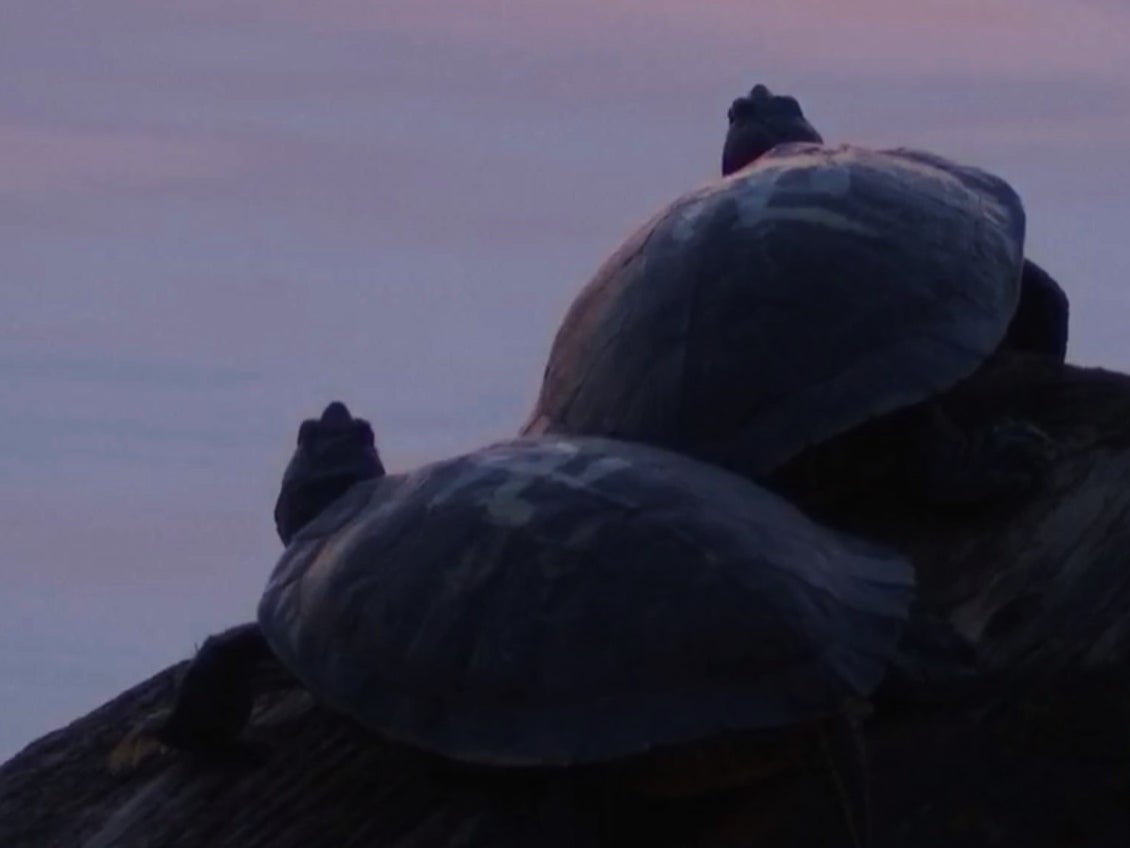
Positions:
{"x": 506, "y": 504}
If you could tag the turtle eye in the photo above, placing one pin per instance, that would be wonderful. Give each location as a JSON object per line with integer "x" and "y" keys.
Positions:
{"x": 307, "y": 432}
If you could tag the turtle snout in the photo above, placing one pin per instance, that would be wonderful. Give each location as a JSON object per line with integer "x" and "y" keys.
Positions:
{"x": 334, "y": 422}
{"x": 761, "y": 104}
{"x": 337, "y": 422}
{"x": 335, "y": 434}
{"x": 336, "y": 414}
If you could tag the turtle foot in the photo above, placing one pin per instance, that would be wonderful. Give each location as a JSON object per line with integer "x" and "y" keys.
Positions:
{"x": 215, "y": 696}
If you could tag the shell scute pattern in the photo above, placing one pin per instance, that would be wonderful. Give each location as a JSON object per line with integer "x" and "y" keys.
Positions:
{"x": 799, "y": 297}
{"x": 644, "y": 599}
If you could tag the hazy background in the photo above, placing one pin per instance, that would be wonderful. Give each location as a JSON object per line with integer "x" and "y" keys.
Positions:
{"x": 217, "y": 216}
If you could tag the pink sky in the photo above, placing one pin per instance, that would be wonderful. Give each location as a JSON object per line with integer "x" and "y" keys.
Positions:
{"x": 219, "y": 215}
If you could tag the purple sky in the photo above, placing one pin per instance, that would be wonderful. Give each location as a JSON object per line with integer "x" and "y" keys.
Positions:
{"x": 217, "y": 216}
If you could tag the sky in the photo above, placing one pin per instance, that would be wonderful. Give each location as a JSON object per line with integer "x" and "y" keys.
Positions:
{"x": 217, "y": 216}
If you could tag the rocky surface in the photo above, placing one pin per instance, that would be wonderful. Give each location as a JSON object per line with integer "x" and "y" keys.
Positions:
{"x": 1036, "y": 754}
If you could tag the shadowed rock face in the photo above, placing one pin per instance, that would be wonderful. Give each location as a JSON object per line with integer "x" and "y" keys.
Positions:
{"x": 1039, "y": 757}
{"x": 313, "y": 778}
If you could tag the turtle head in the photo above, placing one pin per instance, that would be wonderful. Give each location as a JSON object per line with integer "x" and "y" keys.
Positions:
{"x": 759, "y": 121}
{"x": 333, "y": 452}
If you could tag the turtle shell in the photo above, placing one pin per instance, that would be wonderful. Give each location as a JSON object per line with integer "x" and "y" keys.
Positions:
{"x": 561, "y": 601}
{"x": 787, "y": 303}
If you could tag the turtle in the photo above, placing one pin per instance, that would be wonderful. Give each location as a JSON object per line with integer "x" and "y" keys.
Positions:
{"x": 760, "y": 120}
{"x": 570, "y": 604}
{"x": 816, "y": 294}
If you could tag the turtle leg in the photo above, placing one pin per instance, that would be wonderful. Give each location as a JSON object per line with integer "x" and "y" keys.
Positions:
{"x": 1040, "y": 323}
{"x": 950, "y": 466}
{"x": 215, "y": 696}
